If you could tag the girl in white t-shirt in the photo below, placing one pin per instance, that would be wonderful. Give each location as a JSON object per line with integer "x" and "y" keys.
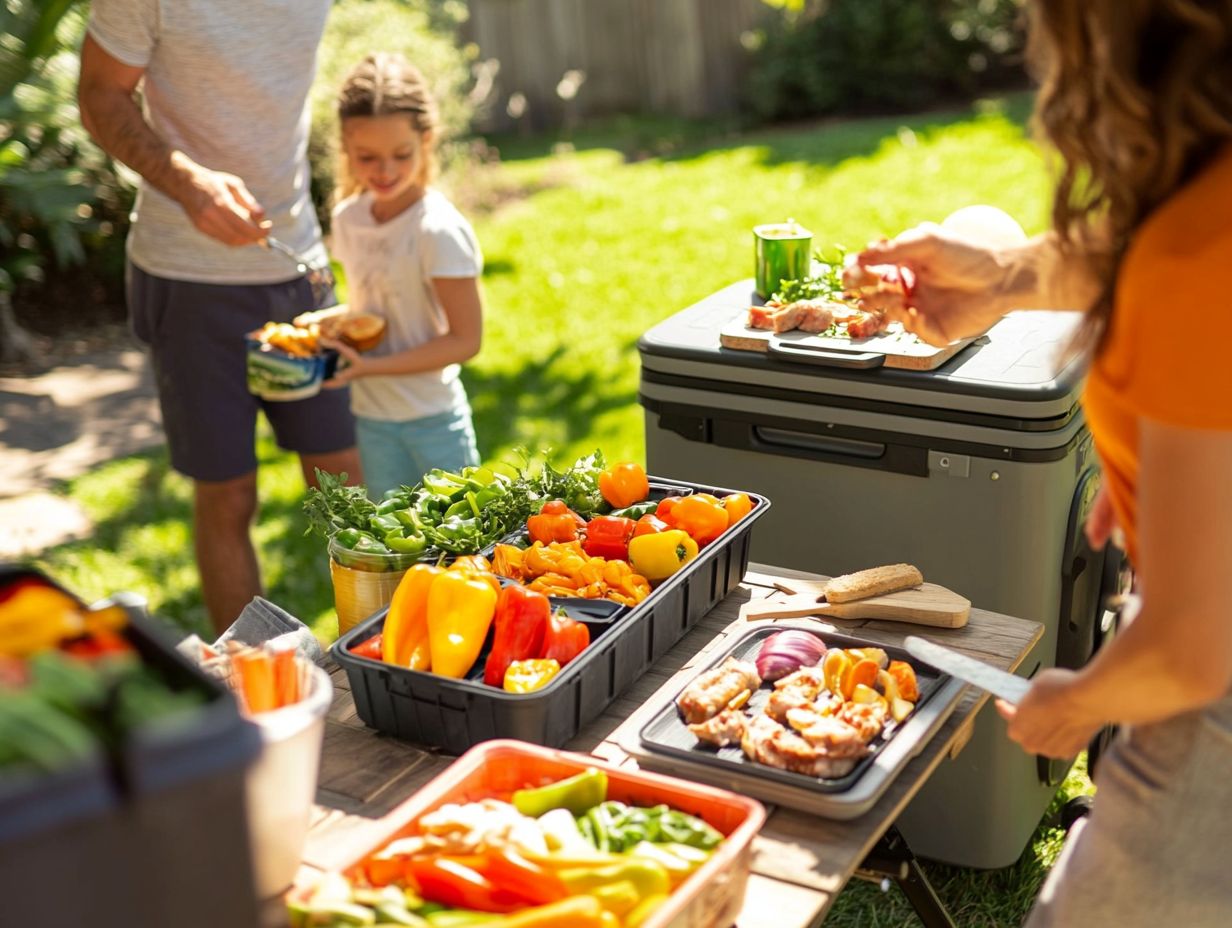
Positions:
{"x": 411, "y": 257}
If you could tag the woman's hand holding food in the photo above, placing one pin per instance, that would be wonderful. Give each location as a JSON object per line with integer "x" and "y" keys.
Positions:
{"x": 954, "y": 289}
{"x": 1050, "y": 719}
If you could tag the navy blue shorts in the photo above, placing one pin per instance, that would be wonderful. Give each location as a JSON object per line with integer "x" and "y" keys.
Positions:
{"x": 195, "y": 332}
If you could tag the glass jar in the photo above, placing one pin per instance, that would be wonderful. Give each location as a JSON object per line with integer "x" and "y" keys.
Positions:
{"x": 364, "y": 583}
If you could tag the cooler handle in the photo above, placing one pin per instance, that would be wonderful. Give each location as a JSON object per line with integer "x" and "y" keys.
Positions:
{"x": 825, "y": 357}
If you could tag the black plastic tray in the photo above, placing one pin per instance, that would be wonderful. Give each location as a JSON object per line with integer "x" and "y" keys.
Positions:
{"x": 457, "y": 714}
{"x": 133, "y": 831}
{"x": 667, "y": 732}
{"x": 665, "y": 743}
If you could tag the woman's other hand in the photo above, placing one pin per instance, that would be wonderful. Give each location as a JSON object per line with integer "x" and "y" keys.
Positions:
{"x": 1101, "y": 525}
{"x": 959, "y": 287}
{"x": 1049, "y": 720}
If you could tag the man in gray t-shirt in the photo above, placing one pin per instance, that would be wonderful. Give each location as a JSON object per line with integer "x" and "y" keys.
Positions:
{"x": 219, "y": 138}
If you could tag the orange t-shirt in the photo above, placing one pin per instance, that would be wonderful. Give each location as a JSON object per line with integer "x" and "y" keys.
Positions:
{"x": 1172, "y": 314}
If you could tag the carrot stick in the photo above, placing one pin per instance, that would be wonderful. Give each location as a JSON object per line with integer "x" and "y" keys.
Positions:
{"x": 256, "y": 678}
{"x": 286, "y": 675}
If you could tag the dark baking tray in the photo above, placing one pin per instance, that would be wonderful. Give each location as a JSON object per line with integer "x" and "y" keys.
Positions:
{"x": 667, "y": 737}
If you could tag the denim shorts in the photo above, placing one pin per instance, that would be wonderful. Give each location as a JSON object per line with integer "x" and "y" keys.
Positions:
{"x": 398, "y": 454}
{"x": 195, "y": 333}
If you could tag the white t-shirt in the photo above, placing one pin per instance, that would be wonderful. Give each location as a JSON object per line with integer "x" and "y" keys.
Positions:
{"x": 389, "y": 270}
{"x": 226, "y": 82}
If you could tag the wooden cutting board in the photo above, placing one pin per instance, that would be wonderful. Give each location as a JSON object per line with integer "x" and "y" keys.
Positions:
{"x": 894, "y": 348}
{"x": 926, "y": 604}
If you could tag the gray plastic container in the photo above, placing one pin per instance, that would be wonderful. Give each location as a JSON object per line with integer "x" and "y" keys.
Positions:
{"x": 980, "y": 473}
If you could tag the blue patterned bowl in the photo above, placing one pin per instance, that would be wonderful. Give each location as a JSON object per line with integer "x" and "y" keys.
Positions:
{"x": 275, "y": 375}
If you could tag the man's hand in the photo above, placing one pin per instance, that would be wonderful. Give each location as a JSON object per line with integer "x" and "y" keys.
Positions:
{"x": 221, "y": 207}
{"x": 218, "y": 204}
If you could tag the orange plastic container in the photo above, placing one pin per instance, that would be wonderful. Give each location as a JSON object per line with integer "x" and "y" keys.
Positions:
{"x": 712, "y": 896}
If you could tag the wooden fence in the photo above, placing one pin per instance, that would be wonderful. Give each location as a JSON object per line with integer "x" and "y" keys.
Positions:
{"x": 682, "y": 57}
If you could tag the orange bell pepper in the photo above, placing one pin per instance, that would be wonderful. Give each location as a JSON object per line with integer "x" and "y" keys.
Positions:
{"x": 555, "y": 522}
{"x": 405, "y": 640}
{"x": 702, "y": 516}
{"x": 624, "y": 484}
{"x": 737, "y": 505}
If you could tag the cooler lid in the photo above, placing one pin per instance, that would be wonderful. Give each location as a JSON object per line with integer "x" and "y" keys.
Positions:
{"x": 1015, "y": 372}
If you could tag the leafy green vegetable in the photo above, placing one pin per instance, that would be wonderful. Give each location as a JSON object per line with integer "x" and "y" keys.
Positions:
{"x": 578, "y": 486}
{"x": 825, "y": 284}
{"x": 332, "y": 506}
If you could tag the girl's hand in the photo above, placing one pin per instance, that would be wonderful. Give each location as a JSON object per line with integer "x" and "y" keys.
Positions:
{"x": 1049, "y": 720}
{"x": 958, "y": 290}
{"x": 355, "y": 366}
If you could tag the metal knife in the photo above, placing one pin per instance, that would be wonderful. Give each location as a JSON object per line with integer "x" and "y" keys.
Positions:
{"x": 1004, "y": 685}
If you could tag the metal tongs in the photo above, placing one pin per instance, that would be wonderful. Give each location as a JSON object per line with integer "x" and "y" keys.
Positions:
{"x": 320, "y": 277}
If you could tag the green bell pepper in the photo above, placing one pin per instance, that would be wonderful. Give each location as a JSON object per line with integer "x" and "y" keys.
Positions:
{"x": 576, "y": 793}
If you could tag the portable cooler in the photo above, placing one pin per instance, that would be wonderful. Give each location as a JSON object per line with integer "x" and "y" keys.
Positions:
{"x": 980, "y": 472}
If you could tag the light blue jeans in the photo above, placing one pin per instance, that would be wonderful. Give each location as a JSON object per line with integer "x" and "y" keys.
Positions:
{"x": 400, "y": 453}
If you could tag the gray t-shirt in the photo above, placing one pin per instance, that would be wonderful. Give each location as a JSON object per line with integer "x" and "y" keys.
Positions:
{"x": 226, "y": 82}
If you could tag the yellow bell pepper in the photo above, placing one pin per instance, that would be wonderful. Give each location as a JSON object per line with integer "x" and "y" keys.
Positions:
{"x": 526, "y": 676}
{"x": 461, "y": 606}
{"x": 405, "y": 639}
{"x": 660, "y": 554}
{"x": 35, "y": 617}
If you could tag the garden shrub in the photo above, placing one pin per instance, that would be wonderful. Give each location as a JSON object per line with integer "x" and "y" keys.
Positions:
{"x": 844, "y": 56}
{"x": 63, "y": 207}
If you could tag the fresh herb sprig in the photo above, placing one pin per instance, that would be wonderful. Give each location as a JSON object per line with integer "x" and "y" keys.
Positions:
{"x": 332, "y": 505}
{"x": 825, "y": 284}
{"x": 578, "y": 485}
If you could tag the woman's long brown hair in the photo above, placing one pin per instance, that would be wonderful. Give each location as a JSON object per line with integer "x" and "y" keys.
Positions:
{"x": 1135, "y": 97}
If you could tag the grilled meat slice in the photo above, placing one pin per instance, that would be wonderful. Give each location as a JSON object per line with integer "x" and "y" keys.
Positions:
{"x": 769, "y": 743}
{"x": 867, "y": 718}
{"x": 794, "y": 690}
{"x": 815, "y": 315}
{"x": 723, "y": 729}
{"x": 866, "y": 325}
{"x": 711, "y": 692}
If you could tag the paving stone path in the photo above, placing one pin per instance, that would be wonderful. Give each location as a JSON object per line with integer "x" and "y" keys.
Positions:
{"x": 55, "y": 425}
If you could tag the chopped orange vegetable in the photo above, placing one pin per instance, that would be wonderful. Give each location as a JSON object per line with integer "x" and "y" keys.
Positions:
{"x": 256, "y": 680}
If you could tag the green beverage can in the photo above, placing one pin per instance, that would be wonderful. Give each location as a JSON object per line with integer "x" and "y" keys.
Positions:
{"x": 781, "y": 251}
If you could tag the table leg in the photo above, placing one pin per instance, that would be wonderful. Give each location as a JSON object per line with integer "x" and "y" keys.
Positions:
{"x": 892, "y": 858}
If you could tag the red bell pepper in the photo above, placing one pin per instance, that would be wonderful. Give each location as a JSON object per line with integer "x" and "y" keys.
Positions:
{"x": 370, "y": 647}
{"x": 566, "y": 638}
{"x": 509, "y": 870}
{"x": 650, "y": 525}
{"x": 666, "y": 508}
{"x": 555, "y": 522}
{"x": 520, "y": 623}
{"x": 456, "y": 884}
{"x": 608, "y": 537}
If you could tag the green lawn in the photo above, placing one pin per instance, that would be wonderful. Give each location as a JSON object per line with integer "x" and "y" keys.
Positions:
{"x": 637, "y": 221}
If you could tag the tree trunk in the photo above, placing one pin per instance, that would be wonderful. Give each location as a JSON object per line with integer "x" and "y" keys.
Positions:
{"x": 16, "y": 344}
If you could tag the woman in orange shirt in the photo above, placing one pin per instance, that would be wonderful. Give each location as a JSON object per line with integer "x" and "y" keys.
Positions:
{"x": 1136, "y": 97}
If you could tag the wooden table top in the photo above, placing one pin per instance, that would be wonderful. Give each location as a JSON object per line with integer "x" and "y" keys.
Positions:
{"x": 800, "y": 861}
